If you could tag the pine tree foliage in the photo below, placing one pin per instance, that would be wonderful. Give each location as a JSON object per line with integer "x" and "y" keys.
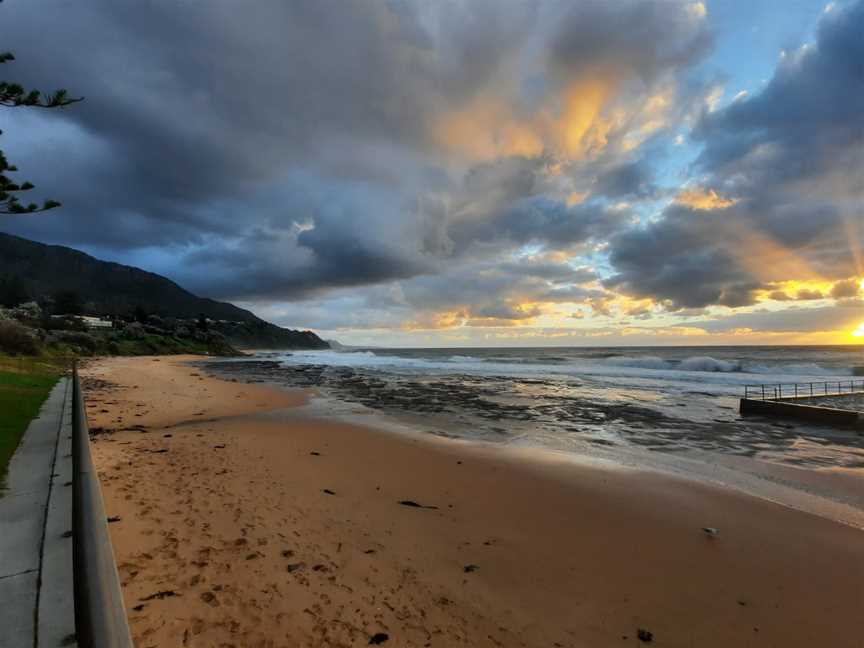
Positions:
{"x": 14, "y": 95}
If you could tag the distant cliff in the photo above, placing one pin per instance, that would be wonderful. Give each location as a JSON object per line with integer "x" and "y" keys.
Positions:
{"x": 42, "y": 271}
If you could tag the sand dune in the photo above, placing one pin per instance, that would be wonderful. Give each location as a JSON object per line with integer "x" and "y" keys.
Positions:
{"x": 242, "y": 523}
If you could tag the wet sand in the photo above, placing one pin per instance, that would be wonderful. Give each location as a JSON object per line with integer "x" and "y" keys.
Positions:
{"x": 244, "y": 523}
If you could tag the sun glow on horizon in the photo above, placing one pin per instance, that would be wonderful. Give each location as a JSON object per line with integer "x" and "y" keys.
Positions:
{"x": 859, "y": 332}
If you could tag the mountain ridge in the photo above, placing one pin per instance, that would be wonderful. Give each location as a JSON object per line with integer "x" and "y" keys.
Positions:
{"x": 116, "y": 289}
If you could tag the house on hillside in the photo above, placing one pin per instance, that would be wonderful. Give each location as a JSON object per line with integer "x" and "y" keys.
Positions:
{"x": 87, "y": 320}
{"x": 96, "y": 322}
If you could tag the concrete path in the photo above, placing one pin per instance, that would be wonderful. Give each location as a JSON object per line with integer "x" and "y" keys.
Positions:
{"x": 36, "y": 584}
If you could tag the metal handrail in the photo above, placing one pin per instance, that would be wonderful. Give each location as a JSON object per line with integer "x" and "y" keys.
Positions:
{"x": 100, "y": 618}
{"x": 774, "y": 391}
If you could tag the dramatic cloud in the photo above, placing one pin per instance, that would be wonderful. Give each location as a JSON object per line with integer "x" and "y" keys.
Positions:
{"x": 787, "y": 162}
{"x": 408, "y": 165}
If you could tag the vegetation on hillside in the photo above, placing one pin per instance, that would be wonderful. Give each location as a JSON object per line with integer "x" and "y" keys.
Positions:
{"x": 68, "y": 337}
{"x": 65, "y": 281}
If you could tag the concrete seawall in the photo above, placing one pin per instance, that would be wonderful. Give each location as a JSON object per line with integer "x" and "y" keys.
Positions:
{"x": 797, "y": 410}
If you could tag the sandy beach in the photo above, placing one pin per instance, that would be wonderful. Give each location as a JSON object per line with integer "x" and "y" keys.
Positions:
{"x": 241, "y": 521}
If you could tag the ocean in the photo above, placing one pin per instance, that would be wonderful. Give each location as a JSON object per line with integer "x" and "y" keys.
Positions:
{"x": 660, "y": 399}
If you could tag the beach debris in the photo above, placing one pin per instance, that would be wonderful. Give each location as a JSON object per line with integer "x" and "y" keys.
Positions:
{"x": 413, "y": 504}
{"x": 378, "y": 638}
{"x": 138, "y": 607}
{"x": 160, "y": 595}
{"x": 295, "y": 566}
{"x": 160, "y": 451}
{"x": 369, "y": 551}
{"x": 219, "y": 446}
{"x": 287, "y": 553}
{"x": 315, "y": 454}
{"x": 711, "y": 532}
{"x": 644, "y": 636}
{"x": 114, "y": 518}
{"x": 167, "y": 436}
{"x": 470, "y": 568}
{"x": 328, "y": 491}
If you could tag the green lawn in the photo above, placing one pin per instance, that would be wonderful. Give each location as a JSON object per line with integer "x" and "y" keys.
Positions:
{"x": 24, "y": 386}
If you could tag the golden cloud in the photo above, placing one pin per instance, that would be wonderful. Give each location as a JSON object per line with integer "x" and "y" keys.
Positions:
{"x": 703, "y": 199}
{"x": 487, "y": 129}
{"x": 575, "y": 124}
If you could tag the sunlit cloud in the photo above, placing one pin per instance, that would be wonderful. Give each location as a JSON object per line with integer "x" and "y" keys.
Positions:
{"x": 531, "y": 172}
{"x": 703, "y": 199}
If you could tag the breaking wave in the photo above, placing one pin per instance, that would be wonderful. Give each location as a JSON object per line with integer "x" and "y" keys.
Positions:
{"x": 541, "y": 362}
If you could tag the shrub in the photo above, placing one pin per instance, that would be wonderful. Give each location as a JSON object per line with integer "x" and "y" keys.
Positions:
{"x": 62, "y": 324}
{"x": 83, "y": 341}
{"x": 17, "y": 339}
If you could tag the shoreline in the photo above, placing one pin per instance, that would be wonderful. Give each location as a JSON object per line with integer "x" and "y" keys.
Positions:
{"x": 834, "y": 493}
{"x": 573, "y": 554}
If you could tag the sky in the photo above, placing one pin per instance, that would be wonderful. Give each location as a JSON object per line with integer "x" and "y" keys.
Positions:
{"x": 462, "y": 173}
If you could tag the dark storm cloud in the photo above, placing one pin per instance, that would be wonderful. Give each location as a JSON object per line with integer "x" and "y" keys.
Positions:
{"x": 805, "y": 123}
{"x": 326, "y": 247}
{"x": 648, "y": 37}
{"x": 279, "y": 150}
{"x": 192, "y": 105}
{"x": 540, "y": 219}
{"x": 792, "y": 157}
{"x": 319, "y": 263}
{"x": 504, "y": 204}
{"x": 696, "y": 258}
